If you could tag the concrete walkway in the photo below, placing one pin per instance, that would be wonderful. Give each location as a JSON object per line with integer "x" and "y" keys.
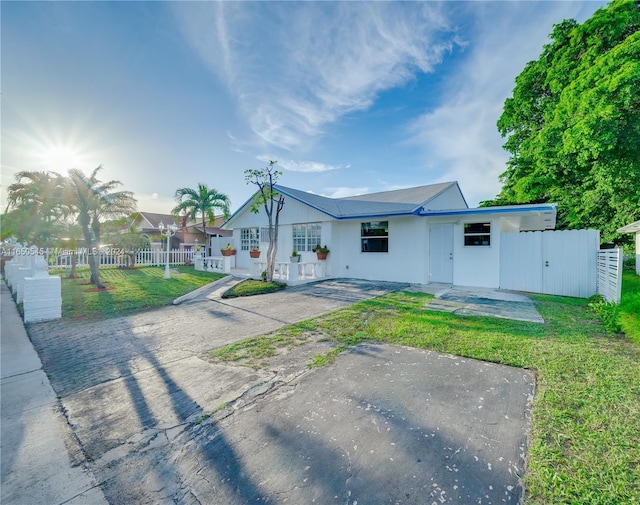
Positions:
{"x": 157, "y": 421}
{"x": 36, "y": 442}
{"x": 470, "y": 301}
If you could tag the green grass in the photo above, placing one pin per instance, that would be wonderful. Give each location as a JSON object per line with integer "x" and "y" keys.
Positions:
{"x": 629, "y": 310}
{"x": 127, "y": 290}
{"x": 253, "y": 351}
{"x": 252, "y": 287}
{"x": 585, "y": 439}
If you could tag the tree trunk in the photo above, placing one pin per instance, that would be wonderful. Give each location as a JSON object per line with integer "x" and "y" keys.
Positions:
{"x": 74, "y": 263}
{"x": 94, "y": 265}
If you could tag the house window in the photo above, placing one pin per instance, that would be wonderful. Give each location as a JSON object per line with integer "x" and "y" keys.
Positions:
{"x": 249, "y": 237}
{"x": 374, "y": 236}
{"x": 477, "y": 234}
{"x": 306, "y": 236}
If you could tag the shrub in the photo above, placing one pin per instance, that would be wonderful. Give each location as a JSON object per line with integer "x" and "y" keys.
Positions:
{"x": 607, "y": 312}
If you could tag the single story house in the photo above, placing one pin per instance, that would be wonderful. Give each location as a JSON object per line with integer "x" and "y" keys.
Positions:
{"x": 189, "y": 234}
{"x": 634, "y": 228}
{"x": 418, "y": 235}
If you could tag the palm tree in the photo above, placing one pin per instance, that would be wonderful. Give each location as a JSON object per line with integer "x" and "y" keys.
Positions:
{"x": 37, "y": 199}
{"x": 94, "y": 200}
{"x": 201, "y": 201}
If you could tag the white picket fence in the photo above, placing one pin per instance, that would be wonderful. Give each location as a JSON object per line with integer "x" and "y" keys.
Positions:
{"x": 610, "y": 274}
{"x": 150, "y": 257}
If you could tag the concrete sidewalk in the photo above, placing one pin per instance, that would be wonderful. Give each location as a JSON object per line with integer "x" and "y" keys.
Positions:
{"x": 35, "y": 439}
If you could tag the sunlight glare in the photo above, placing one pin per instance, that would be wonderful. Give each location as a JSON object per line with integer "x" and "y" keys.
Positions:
{"x": 60, "y": 158}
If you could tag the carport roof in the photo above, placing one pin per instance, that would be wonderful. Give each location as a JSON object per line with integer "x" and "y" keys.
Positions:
{"x": 630, "y": 228}
{"x": 532, "y": 217}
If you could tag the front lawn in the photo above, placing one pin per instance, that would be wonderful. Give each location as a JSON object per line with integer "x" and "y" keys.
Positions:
{"x": 585, "y": 439}
{"x": 127, "y": 290}
{"x": 629, "y": 310}
{"x": 250, "y": 287}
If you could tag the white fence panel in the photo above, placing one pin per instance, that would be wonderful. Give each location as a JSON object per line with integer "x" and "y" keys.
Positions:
{"x": 147, "y": 257}
{"x": 570, "y": 262}
{"x": 550, "y": 262}
{"x": 520, "y": 260}
{"x": 610, "y": 274}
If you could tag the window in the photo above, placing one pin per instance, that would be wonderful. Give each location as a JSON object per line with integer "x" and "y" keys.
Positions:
{"x": 477, "y": 234}
{"x": 249, "y": 237}
{"x": 306, "y": 236}
{"x": 374, "y": 236}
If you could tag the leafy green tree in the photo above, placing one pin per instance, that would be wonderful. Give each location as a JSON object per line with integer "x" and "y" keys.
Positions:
{"x": 573, "y": 124}
{"x": 94, "y": 200}
{"x": 126, "y": 238}
{"x": 35, "y": 207}
{"x": 272, "y": 202}
{"x": 201, "y": 201}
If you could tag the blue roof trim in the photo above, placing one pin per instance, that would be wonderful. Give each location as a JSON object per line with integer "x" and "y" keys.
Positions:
{"x": 493, "y": 210}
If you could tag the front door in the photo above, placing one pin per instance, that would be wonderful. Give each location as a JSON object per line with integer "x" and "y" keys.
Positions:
{"x": 441, "y": 253}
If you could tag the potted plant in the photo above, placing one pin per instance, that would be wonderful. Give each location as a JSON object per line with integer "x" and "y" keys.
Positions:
{"x": 228, "y": 250}
{"x": 254, "y": 252}
{"x": 295, "y": 257}
{"x": 321, "y": 251}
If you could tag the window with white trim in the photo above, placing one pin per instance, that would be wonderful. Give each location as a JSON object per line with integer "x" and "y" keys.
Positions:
{"x": 306, "y": 236}
{"x": 374, "y": 236}
{"x": 477, "y": 234}
{"x": 249, "y": 238}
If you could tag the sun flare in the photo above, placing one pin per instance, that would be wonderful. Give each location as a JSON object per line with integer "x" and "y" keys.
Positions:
{"x": 60, "y": 158}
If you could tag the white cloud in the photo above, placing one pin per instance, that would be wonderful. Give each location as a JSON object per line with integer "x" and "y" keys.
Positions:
{"x": 294, "y": 68}
{"x": 301, "y": 166}
{"x": 459, "y": 137}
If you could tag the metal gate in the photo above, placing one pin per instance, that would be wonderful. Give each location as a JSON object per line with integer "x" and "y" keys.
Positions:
{"x": 550, "y": 262}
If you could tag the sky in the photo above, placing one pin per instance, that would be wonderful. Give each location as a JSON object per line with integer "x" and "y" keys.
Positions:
{"x": 348, "y": 97}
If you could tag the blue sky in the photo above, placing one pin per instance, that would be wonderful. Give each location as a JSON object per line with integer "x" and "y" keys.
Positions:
{"x": 349, "y": 97}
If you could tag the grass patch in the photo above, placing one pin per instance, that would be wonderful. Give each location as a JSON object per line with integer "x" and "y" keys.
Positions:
{"x": 252, "y": 287}
{"x": 629, "y": 309}
{"x": 253, "y": 351}
{"x": 327, "y": 358}
{"x": 585, "y": 440}
{"x": 132, "y": 290}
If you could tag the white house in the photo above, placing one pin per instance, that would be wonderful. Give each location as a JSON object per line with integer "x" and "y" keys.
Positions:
{"x": 417, "y": 235}
{"x": 634, "y": 228}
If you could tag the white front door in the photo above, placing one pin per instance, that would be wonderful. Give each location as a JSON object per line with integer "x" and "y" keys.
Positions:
{"x": 441, "y": 253}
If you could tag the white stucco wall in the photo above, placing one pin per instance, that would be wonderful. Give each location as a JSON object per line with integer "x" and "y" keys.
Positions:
{"x": 638, "y": 252}
{"x": 405, "y": 261}
{"x": 451, "y": 198}
{"x": 477, "y": 266}
{"x": 293, "y": 212}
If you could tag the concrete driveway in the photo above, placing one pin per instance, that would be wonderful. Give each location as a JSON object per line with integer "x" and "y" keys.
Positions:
{"x": 159, "y": 423}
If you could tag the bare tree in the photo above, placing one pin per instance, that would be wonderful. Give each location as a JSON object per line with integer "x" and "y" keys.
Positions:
{"x": 272, "y": 202}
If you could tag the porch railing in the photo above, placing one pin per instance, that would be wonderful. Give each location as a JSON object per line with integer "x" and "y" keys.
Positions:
{"x": 291, "y": 272}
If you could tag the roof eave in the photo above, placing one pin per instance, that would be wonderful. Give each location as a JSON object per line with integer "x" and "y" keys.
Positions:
{"x": 630, "y": 228}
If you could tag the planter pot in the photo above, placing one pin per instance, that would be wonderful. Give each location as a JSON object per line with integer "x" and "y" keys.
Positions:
{"x": 228, "y": 252}
{"x": 294, "y": 259}
{"x": 322, "y": 256}
{"x": 254, "y": 254}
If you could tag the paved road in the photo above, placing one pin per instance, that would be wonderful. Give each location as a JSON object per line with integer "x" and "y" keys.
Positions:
{"x": 382, "y": 425}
